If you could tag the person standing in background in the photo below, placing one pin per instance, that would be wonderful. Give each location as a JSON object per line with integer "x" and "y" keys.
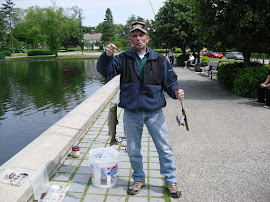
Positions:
{"x": 171, "y": 56}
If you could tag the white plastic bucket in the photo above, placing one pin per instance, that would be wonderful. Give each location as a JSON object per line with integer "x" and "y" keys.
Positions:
{"x": 104, "y": 166}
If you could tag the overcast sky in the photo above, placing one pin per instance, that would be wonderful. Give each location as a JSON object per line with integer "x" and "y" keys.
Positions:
{"x": 94, "y": 10}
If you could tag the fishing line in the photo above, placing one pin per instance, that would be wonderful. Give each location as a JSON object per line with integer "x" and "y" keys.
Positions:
{"x": 152, "y": 7}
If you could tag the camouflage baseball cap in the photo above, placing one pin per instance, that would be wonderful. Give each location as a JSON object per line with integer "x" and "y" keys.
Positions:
{"x": 138, "y": 26}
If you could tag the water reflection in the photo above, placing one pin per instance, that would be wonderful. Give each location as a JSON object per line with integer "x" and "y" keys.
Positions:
{"x": 34, "y": 95}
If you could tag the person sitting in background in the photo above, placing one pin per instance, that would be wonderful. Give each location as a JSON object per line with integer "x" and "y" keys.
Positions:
{"x": 190, "y": 60}
{"x": 264, "y": 92}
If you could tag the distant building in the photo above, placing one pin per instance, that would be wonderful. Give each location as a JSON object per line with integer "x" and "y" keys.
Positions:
{"x": 91, "y": 39}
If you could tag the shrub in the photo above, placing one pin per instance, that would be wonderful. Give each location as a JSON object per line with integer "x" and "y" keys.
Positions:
{"x": 206, "y": 60}
{"x": 176, "y": 50}
{"x": 181, "y": 60}
{"x": 18, "y": 51}
{"x": 204, "y": 63}
{"x": 226, "y": 74}
{"x": 39, "y": 52}
{"x": 247, "y": 79}
{"x": 161, "y": 50}
{"x": 259, "y": 55}
{"x": 6, "y": 53}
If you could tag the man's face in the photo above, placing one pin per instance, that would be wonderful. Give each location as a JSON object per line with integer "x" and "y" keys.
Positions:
{"x": 139, "y": 40}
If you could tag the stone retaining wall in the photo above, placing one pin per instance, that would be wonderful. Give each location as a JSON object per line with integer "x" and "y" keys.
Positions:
{"x": 52, "y": 146}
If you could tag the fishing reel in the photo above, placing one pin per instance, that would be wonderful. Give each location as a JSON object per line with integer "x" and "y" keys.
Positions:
{"x": 180, "y": 120}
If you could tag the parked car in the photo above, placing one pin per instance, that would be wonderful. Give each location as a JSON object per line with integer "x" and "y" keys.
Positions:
{"x": 211, "y": 54}
{"x": 235, "y": 55}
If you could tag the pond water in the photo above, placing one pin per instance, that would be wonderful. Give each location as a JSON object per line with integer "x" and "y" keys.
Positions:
{"x": 35, "y": 95}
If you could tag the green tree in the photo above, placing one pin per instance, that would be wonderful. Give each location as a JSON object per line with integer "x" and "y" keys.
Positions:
{"x": 120, "y": 31}
{"x": 107, "y": 27}
{"x": 72, "y": 29}
{"x": 66, "y": 34}
{"x": 2, "y": 29}
{"x": 120, "y": 35}
{"x": 49, "y": 26}
{"x": 29, "y": 29}
{"x": 52, "y": 24}
{"x": 133, "y": 18}
{"x": 87, "y": 29}
{"x": 80, "y": 36}
{"x": 240, "y": 24}
{"x": 173, "y": 25}
{"x": 9, "y": 13}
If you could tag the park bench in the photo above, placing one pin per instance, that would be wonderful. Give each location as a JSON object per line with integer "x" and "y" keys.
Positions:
{"x": 211, "y": 67}
{"x": 195, "y": 63}
{"x": 215, "y": 71}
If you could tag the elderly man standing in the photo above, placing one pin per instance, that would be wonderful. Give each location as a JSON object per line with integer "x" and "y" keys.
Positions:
{"x": 145, "y": 74}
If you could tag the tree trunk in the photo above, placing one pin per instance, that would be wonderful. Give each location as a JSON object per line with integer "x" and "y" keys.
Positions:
{"x": 11, "y": 37}
{"x": 183, "y": 48}
{"x": 246, "y": 54}
{"x": 66, "y": 45}
{"x": 12, "y": 45}
{"x": 263, "y": 54}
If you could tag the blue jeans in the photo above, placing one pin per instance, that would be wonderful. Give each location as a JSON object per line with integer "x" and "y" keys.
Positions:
{"x": 156, "y": 125}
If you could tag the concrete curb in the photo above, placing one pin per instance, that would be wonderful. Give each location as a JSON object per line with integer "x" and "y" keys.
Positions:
{"x": 52, "y": 146}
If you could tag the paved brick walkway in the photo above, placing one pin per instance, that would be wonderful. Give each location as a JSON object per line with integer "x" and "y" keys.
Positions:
{"x": 77, "y": 171}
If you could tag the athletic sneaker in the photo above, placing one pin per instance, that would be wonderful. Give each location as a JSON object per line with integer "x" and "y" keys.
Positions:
{"x": 267, "y": 106}
{"x": 174, "y": 190}
{"x": 135, "y": 188}
{"x": 259, "y": 102}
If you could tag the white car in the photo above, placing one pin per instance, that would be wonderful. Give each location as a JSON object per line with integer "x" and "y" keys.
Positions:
{"x": 235, "y": 55}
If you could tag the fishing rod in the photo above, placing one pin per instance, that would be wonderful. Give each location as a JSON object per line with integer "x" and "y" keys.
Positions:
{"x": 182, "y": 121}
{"x": 152, "y": 8}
